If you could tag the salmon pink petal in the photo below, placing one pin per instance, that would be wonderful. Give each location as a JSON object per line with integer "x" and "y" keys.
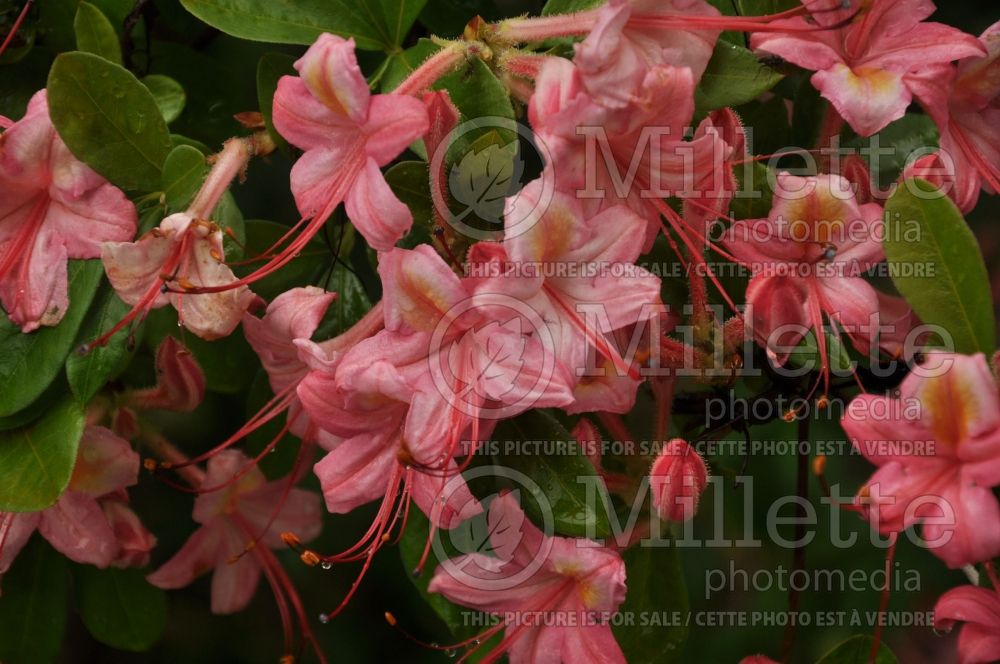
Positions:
{"x": 104, "y": 463}
{"x": 593, "y": 644}
{"x": 303, "y": 120}
{"x": 419, "y": 288}
{"x": 134, "y": 267}
{"x": 318, "y": 172}
{"x": 374, "y": 209}
{"x": 34, "y": 293}
{"x": 357, "y": 471}
{"x": 15, "y": 531}
{"x": 299, "y": 513}
{"x": 235, "y": 581}
{"x": 295, "y": 314}
{"x": 869, "y": 99}
{"x": 330, "y": 70}
{"x": 958, "y": 401}
{"x": 77, "y": 528}
{"x": 966, "y": 542}
{"x": 394, "y": 122}
{"x": 429, "y": 491}
{"x": 779, "y": 313}
{"x": 199, "y": 554}
{"x": 134, "y": 541}
{"x": 979, "y": 609}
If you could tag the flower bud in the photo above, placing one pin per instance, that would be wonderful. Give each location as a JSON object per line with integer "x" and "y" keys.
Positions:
{"x": 134, "y": 541}
{"x": 676, "y": 479}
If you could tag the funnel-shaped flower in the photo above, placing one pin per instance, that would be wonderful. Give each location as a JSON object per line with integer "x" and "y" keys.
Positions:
{"x": 183, "y": 253}
{"x": 53, "y": 207}
{"x": 864, "y": 67}
{"x": 806, "y": 257}
{"x": 937, "y": 448}
{"x": 347, "y": 134}
{"x": 76, "y": 525}
{"x": 246, "y": 512}
{"x": 555, "y": 595}
{"x": 979, "y": 609}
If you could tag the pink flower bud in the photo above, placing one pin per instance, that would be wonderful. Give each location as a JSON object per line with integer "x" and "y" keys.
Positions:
{"x": 180, "y": 383}
{"x": 676, "y": 479}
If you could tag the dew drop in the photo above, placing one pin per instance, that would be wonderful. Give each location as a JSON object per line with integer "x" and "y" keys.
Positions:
{"x": 326, "y": 565}
{"x": 416, "y": 572}
{"x": 83, "y": 350}
{"x": 324, "y": 618}
{"x": 475, "y": 643}
{"x": 941, "y": 632}
{"x": 451, "y": 652}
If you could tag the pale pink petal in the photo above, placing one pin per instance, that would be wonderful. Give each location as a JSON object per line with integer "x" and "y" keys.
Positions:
{"x": 15, "y": 531}
{"x": 374, "y": 209}
{"x": 292, "y": 315}
{"x": 394, "y": 122}
{"x": 34, "y": 293}
{"x": 357, "y": 472}
{"x": 317, "y": 174}
{"x": 105, "y": 463}
{"x": 77, "y": 528}
{"x": 134, "y": 541}
{"x": 198, "y": 555}
{"x": 330, "y": 70}
{"x": 299, "y": 513}
{"x": 592, "y": 644}
{"x": 134, "y": 267}
{"x": 971, "y": 541}
{"x": 101, "y": 215}
{"x": 304, "y": 121}
{"x": 868, "y": 99}
{"x": 419, "y": 288}
{"x": 236, "y": 576}
{"x": 779, "y": 313}
{"x": 428, "y": 491}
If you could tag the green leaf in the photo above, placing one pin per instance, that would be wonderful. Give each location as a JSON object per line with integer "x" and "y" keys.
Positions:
{"x": 656, "y": 589}
{"x": 936, "y": 264}
{"x": 806, "y": 354}
{"x": 108, "y": 119}
{"x": 270, "y": 69}
{"x": 120, "y": 608}
{"x": 764, "y": 7}
{"x": 168, "y": 94}
{"x": 752, "y": 199}
{"x": 33, "y": 606}
{"x": 559, "y": 488}
{"x": 374, "y": 24}
{"x": 88, "y": 373}
{"x": 410, "y": 182}
{"x": 37, "y": 461}
{"x": 183, "y": 172}
{"x": 30, "y": 362}
{"x": 734, "y": 76}
{"x": 95, "y": 34}
{"x": 896, "y": 143}
{"x": 483, "y": 179}
{"x": 351, "y": 304}
{"x": 857, "y": 650}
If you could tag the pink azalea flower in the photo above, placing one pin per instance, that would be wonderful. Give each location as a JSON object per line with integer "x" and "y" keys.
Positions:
{"x": 979, "y": 609}
{"x": 187, "y": 252}
{"x": 633, "y": 155}
{"x": 959, "y": 414}
{"x": 965, "y": 104}
{"x": 53, "y": 207}
{"x": 180, "y": 382}
{"x": 865, "y": 67}
{"x": 806, "y": 257}
{"x": 347, "y": 134}
{"x": 571, "y": 587}
{"x": 134, "y": 541}
{"x": 282, "y": 340}
{"x": 616, "y": 55}
{"x": 560, "y": 261}
{"x": 77, "y": 525}
{"x": 246, "y": 513}
{"x": 757, "y": 659}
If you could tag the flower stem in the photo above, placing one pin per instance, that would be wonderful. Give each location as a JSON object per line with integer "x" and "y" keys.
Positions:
{"x": 532, "y": 29}
{"x": 440, "y": 64}
{"x": 226, "y": 165}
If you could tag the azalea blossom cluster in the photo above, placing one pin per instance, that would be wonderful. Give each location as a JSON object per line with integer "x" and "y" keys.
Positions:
{"x": 467, "y": 335}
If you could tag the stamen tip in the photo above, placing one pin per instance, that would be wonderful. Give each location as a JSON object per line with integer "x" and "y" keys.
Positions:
{"x": 324, "y": 618}
{"x": 391, "y": 619}
{"x": 819, "y": 465}
{"x": 150, "y": 464}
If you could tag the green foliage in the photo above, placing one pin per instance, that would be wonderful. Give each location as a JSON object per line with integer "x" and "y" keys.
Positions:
{"x": 108, "y": 119}
{"x": 120, "y": 608}
{"x": 734, "y": 76}
{"x": 857, "y": 650}
{"x": 95, "y": 34}
{"x": 168, "y": 94}
{"x": 949, "y": 287}
{"x": 88, "y": 372}
{"x": 657, "y": 600}
{"x": 36, "y": 461}
{"x": 33, "y": 607}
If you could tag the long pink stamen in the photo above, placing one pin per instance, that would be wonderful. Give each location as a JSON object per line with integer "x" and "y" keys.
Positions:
{"x": 17, "y": 25}
{"x": 595, "y": 337}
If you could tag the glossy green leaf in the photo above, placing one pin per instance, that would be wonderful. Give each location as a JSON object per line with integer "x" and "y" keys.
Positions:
{"x": 88, "y": 373}
{"x": 95, "y": 34}
{"x": 351, "y": 304}
{"x": 120, "y": 608}
{"x": 560, "y": 478}
{"x": 764, "y": 7}
{"x": 910, "y": 135}
{"x": 37, "y": 461}
{"x": 567, "y": 6}
{"x": 857, "y": 650}
{"x": 807, "y": 354}
{"x": 33, "y": 606}
{"x": 30, "y": 362}
{"x": 734, "y": 76}
{"x": 270, "y": 69}
{"x": 656, "y": 604}
{"x": 108, "y": 119}
{"x": 936, "y": 264}
{"x": 374, "y": 24}
{"x": 168, "y": 94}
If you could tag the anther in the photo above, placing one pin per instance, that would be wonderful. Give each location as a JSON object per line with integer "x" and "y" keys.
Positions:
{"x": 309, "y": 558}
{"x": 391, "y": 619}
